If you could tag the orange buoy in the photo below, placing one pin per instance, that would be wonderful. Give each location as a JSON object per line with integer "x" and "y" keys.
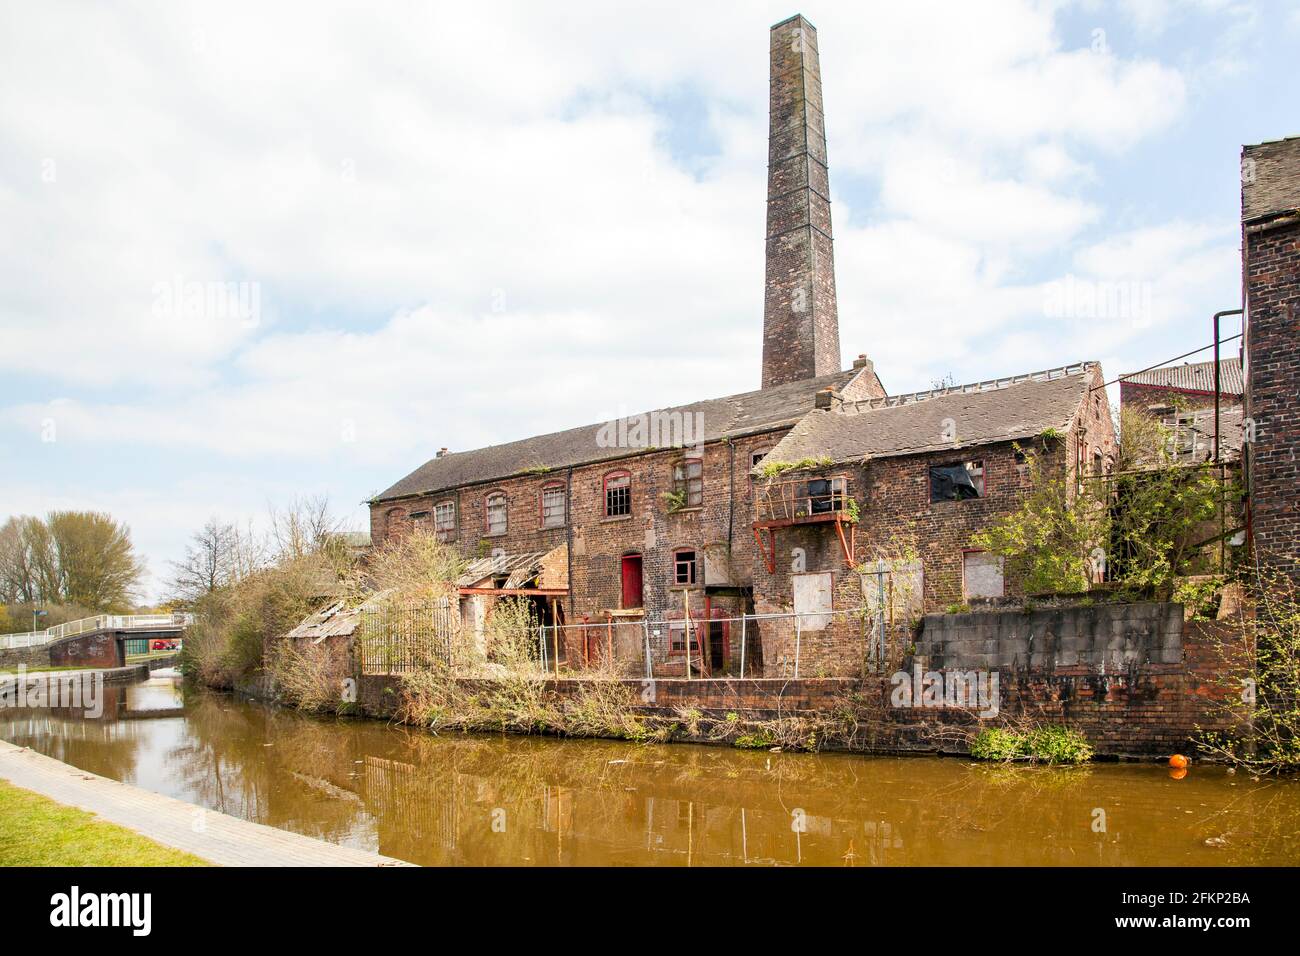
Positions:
{"x": 1178, "y": 762}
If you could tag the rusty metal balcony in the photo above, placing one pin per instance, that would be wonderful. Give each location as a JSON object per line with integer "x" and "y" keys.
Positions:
{"x": 817, "y": 499}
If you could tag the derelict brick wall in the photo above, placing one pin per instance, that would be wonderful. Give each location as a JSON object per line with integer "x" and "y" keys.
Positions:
{"x": 719, "y": 530}
{"x": 1145, "y": 709}
{"x": 1272, "y": 275}
{"x": 800, "y": 319}
{"x": 896, "y": 515}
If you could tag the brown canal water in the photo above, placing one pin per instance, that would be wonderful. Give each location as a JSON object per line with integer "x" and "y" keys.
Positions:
{"x": 486, "y": 800}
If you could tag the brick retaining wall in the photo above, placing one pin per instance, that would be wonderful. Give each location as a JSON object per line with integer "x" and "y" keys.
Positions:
{"x": 1140, "y": 710}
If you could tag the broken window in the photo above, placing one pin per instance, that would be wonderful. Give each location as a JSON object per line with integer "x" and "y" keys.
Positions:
{"x": 677, "y": 637}
{"x": 553, "y": 506}
{"x": 957, "y": 482}
{"x": 444, "y": 520}
{"x": 688, "y": 482}
{"x": 825, "y": 495}
{"x": 496, "y": 513}
{"x": 684, "y": 567}
{"x": 419, "y": 515}
{"x": 618, "y": 494}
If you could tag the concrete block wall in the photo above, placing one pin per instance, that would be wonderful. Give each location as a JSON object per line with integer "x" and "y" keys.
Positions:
{"x": 1103, "y": 636}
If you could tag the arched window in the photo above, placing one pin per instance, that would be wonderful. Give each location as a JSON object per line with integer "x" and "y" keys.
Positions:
{"x": 554, "y": 505}
{"x": 618, "y": 494}
{"x": 494, "y": 513}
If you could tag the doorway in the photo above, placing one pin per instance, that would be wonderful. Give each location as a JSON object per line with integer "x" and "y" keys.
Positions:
{"x": 633, "y": 595}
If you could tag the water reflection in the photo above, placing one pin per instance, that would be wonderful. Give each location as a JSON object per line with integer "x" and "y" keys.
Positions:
{"x": 512, "y": 800}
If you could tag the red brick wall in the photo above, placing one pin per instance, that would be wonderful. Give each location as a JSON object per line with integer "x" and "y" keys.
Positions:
{"x": 1144, "y": 397}
{"x": 721, "y": 525}
{"x": 1149, "y": 710}
{"x": 1272, "y": 276}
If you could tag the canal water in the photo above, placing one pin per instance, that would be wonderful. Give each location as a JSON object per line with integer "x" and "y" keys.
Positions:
{"x": 486, "y": 800}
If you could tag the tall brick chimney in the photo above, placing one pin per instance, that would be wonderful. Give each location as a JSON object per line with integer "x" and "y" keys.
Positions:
{"x": 1270, "y": 223}
{"x": 801, "y": 332}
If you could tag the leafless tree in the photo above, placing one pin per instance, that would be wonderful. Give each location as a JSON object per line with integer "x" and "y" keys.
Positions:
{"x": 302, "y": 528}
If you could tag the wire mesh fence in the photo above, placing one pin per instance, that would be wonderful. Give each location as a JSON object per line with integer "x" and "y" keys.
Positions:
{"x": 841, "y": 642}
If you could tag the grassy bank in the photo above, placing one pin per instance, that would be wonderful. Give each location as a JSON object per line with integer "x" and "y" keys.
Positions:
{"x": 37, "y": 831}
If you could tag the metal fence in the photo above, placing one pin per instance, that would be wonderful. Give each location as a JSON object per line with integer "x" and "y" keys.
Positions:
{"x": 399, "y": 638}
{"x": 840, "y": 642}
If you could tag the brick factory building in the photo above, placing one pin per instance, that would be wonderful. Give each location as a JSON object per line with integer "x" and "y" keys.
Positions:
{"x": 787, "y": 498}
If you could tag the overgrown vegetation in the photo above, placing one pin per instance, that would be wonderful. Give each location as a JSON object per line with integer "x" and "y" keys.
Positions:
{"x": 773, "y": 469}
{"x": 1144, "y": 527}
{"x": 1047, "y": 744}
{"x": 1258, "y": 675}
{"x": 271, "y": 584}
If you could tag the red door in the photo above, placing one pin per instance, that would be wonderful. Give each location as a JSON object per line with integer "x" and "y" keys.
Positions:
{"x": 632, "y": 580}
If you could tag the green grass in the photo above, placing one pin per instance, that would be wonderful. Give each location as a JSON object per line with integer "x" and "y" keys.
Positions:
{"x": 37, "y": 831}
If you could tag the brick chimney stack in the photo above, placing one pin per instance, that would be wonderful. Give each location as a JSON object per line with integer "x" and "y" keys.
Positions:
{"x": 801, "y": 334}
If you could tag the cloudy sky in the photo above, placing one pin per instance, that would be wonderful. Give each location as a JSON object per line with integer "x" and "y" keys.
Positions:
{"x": 455, "y": 225}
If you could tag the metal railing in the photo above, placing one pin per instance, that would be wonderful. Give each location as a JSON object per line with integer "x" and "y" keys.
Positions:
{"x": 100, "y": 622}
{"x": 803, "y": 498}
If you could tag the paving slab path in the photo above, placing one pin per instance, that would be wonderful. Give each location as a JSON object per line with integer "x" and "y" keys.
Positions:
{"x": 216, "y": 837}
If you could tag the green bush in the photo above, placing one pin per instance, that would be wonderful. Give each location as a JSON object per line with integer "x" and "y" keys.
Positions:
{"x": 1040, "y": 745}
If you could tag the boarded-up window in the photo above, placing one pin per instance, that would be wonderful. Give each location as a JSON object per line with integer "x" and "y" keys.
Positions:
{"x": 981, "y": 575}
{"x": 812, "y": 600}
{"x": 496, "y": 513}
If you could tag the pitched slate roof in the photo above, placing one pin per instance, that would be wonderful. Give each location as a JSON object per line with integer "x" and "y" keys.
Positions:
{"x": 719, "y": 418}
{"x": 1192, "y": 377}
{"x": 977, "y": 414}
{"x": 1270, "y": 178}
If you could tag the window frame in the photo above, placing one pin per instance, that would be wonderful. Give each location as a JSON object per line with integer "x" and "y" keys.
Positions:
{"x": 487, "y": 514}
{"x": 448, "y": 533}
{"x": 683, "y": 483}
{"x": 553, "y": 486}
{"x": 694, "y": 566}
{"x": 605, "y": 490}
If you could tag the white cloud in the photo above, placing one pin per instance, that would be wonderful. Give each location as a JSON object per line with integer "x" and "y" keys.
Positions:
{"x": 446, "y": 207}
